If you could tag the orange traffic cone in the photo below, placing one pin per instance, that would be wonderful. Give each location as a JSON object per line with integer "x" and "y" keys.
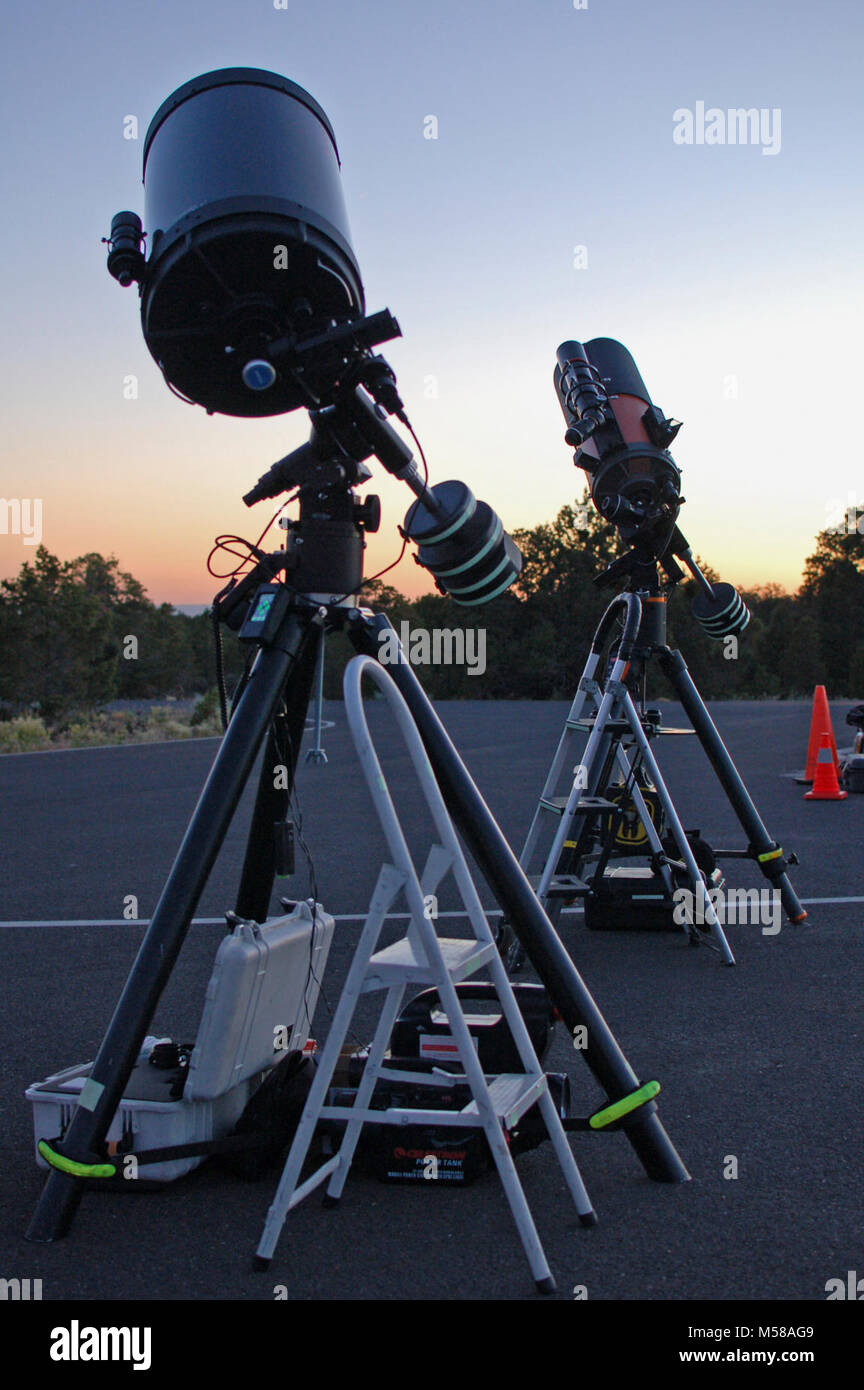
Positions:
{"x": 825, "y": 784}
{"x": 820, "y": 724}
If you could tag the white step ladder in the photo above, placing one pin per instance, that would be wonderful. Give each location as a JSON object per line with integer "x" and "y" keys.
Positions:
{"x": 609, "y": 716}
{"x": 422, "y": 958}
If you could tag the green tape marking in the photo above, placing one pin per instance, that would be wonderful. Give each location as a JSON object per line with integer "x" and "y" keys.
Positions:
{"x": 769, "y": 854}
{"x": 77, "y": 1170}
{"x": 619, "y": 1108}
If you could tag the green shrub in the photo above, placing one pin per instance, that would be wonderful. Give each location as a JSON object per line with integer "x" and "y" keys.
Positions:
{"x": 25, "y": 734}
{"x": 206, "y": 708}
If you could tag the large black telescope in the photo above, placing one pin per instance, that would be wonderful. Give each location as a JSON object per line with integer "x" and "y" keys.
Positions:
{"x": 250, "y": 265}
{"x": 252, "y": 304}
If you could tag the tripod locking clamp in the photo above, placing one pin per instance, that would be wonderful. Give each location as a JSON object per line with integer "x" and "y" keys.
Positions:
{"x": 773, "y": 861}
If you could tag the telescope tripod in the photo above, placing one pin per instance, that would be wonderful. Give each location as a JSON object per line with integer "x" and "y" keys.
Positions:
{"x": 619, "y": 735}
{"x": 285, "y": 626}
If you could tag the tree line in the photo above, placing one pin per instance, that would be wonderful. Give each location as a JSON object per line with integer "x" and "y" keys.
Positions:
{"x": 80, "y": 633}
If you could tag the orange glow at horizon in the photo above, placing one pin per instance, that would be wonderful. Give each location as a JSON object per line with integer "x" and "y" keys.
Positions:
{"x": 167, "y": 551}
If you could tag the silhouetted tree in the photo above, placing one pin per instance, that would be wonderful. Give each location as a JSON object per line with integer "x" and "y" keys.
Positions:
{"x": 832, "y": 597}
{"x": 57, "y": 632}
{"x": 81, "y": 632}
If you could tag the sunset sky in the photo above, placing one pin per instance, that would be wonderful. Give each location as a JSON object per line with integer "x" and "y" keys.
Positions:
{"x": 731, "y": 272}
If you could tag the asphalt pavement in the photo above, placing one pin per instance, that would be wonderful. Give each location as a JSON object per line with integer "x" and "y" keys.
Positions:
{"x": 760, "y": 1065}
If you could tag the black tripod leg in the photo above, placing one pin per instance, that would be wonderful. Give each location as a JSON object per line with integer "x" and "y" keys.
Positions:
{"x": 515, "y": 895}
{"x": 274, "y": 787}
{"x": 766, "y": 851}
{"x": 166, "y": 932}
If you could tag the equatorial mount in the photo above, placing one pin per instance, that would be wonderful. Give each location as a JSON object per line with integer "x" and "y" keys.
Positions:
{"x": 461, "y": 541}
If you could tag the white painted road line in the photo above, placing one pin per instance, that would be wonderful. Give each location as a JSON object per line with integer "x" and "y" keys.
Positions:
{"x": 812, "y": 902}
{"x": 343, "y": 917}
{"x": 212, "y": 921}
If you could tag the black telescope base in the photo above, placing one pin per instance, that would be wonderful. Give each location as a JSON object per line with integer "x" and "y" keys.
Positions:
{"x": 273, "y": 706}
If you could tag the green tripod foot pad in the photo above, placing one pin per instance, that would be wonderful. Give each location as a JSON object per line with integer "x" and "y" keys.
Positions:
{"x": 619, "y": 1108}
{"x": 69, "y": 1165}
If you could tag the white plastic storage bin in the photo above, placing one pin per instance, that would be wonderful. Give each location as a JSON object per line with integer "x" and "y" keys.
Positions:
{"x": 259, "y": 1006}
{"x": 141, "y": 1122}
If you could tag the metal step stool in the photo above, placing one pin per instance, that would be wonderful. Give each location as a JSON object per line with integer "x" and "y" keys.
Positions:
{"x": 607, "y": 713}
{"x": 422, "y": 958}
